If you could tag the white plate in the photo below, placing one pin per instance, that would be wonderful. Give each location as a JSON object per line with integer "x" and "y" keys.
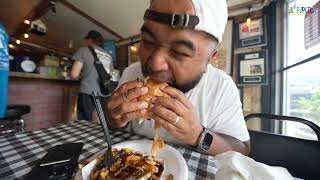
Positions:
{"x": 174, "y": 162}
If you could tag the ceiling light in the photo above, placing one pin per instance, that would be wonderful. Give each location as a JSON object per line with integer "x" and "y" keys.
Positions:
{"x": 248, "y": 20}
{"x": 248, "y": 17}
{"x": 26, "y": 21}
{"x": 26, "y": 35}
{"x": 133, "y": 48}
{"x": 18, "y": 41}
{"x": 11, "y": 46}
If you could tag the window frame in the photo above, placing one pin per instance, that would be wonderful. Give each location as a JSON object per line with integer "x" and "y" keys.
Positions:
{"x": 284, "y": 68}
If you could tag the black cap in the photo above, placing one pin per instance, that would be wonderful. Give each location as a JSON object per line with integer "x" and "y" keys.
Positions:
{"x": 93, "y": 34}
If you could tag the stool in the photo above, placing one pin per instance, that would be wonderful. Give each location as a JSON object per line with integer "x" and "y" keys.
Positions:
{"x": 13, "y": 122}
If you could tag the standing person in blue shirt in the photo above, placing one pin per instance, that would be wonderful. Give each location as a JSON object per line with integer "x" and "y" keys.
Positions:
{"x": 4, "y": 69}
{"x": 84, "y": 69}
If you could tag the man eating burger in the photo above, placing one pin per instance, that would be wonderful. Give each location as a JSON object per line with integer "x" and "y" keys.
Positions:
{"x": 199, "y": 105}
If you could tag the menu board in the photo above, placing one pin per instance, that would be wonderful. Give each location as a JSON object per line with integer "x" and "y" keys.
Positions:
{"x": 312, "y": 28}
{"x": 250, "y": 34}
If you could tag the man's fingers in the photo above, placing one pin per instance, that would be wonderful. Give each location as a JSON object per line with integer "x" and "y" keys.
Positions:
{"x": 127, "y": 86}
{"x": 165, "y": 124}
{"x": 170, "y": 103}
{"x": 128, "y": 111}
{"x": 133, "y": 115}
{"x": 166, "y": 115}
{"x": 129, "y": 107}
{"x": 137, "y": 92}
{"x": 175, "y": 93}
{"x": 129, "y": 95}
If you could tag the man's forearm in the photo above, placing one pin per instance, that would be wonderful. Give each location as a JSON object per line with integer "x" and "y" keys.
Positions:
{"x": 222, "y": 143}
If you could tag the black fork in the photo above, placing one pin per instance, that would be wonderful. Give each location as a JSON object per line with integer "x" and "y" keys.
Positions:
{"x": 108, "y": 160}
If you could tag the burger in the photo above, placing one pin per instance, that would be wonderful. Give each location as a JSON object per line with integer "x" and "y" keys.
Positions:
{"x": 153, "y": 86}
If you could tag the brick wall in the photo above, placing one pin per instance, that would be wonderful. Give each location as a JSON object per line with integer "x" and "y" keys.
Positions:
{"x": 51, "y": 101}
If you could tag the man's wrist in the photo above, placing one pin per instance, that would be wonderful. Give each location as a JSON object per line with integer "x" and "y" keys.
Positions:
{"x": 197, "y": 138}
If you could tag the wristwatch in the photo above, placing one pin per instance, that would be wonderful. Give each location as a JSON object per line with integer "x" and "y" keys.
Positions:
{"x": 205, "y": 140}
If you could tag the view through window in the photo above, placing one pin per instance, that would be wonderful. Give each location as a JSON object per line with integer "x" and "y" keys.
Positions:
{"x": 302, "y": 82}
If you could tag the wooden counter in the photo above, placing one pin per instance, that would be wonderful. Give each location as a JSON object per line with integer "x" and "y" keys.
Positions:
{"x": 37, "y": 76}
{"x": 51, "y": 99}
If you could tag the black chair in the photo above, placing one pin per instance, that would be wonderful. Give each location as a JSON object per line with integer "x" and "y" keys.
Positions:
{"x": 301, "y": 157}
{"x": 13, "y": 122}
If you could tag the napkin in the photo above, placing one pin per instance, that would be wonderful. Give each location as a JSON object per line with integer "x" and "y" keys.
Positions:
{"x": 235, "y": 166}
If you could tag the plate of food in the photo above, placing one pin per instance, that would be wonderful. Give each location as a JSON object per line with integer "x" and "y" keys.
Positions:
{"x": 133, "y": 160}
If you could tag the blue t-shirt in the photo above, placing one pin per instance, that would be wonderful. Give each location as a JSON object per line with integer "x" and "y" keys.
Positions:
{"x": 4, "y": 53}
{"x": 4, "y": 69}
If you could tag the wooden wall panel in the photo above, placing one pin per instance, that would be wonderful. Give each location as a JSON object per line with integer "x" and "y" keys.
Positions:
{"x": 122, "y": 57}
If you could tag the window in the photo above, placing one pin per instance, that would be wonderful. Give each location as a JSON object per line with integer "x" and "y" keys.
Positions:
{"x": 303, "y": 97}
{"x": 302, "y": 67}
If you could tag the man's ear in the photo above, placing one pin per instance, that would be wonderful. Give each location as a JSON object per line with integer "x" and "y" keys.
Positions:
{"x": 212, "y": 57}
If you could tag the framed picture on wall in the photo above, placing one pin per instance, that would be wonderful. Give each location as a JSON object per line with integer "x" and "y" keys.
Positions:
{"x": 223, "y": 59}
{"x": 251, "y": 34}
{"x": 252, "y": 68}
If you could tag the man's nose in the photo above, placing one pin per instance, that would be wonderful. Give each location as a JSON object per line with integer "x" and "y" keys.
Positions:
{"x": 158, "y": 60}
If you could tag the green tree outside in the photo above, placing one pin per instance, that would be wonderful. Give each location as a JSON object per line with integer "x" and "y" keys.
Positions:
{"x": 311, "y": 106}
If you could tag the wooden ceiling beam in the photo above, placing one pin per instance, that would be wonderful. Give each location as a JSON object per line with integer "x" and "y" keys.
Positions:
{"x": 129, "y": 40}
{"x": 37, "y": 12}
{"x": 40, "y": 10}
{"x": 85, "y": 15}
{"x": 132, "y": 38}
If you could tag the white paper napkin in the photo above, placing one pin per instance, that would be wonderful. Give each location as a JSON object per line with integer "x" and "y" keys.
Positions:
{"x": 235, "y": 166}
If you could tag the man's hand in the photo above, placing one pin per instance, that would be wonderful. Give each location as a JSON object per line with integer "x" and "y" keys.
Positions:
{"x": 124, "y": 106}
{"x": 176, "y": 114}
{"x": 187, "y": 128}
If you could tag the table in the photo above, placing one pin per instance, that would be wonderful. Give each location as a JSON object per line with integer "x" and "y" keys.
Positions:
{"x": 20, "y": 152}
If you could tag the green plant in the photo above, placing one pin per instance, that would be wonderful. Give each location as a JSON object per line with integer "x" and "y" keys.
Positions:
{"x": 311, "y": 106}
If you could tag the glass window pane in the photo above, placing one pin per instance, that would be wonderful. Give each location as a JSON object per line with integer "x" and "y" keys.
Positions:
{"x": 298, "y": 25}
{"x": 303, "y": 97}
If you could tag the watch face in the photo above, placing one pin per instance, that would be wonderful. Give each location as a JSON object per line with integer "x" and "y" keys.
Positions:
{"x": 207, "y": 141}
